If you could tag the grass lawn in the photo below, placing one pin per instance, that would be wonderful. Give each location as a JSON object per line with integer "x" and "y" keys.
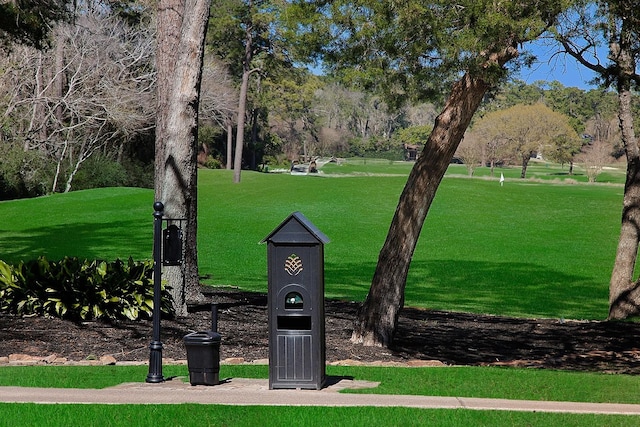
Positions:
{"x": 529, "y": 248}
{"x": 486, "y": 382}
{"x": 285, "y": 416}
{"x": 463, "y": 381}
{"x": 525, "y": 249}
{"x": 532, "y": 248}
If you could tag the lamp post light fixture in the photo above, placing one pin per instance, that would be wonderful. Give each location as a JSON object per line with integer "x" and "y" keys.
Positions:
{"x": 155, "y": 354}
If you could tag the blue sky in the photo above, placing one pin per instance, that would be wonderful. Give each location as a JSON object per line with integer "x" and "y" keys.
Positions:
{"x": 549, "y": 67}
{"x": 560, "y": 67}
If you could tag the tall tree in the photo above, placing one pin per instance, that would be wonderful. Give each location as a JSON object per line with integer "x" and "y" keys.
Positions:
{"x": 181, "y": 33}
{"x": 242, "y": 34}
{"x": 289, "y": 98}
{"x": 595, "y": 157}
{"x": 247, "y": 70}
{"x": 526, "y": 130}
{"x": 405, "y": 48}
{"x": 470, "y": 152}
{"x": 616, "y": 24}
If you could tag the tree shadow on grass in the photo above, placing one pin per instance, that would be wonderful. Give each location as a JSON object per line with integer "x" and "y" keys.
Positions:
{"x": 107, "y": 240}
{"x": 530, "y": 331}
{"x": 506, "y": 288}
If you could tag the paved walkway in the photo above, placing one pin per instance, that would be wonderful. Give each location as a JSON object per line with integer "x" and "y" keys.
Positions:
{"x": 238, "y": 391}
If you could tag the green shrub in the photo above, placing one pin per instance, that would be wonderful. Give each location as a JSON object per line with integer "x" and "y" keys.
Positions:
{"x": 99, "y": 172}
{"x": 139, "y": 173}
{"x": 80, "y": 290}
{"x": 212, "y": 163}
{"x": 102, "y": 171}
{"x": 23, "y": 173}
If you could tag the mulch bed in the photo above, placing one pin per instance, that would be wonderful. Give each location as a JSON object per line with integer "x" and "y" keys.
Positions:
{"x": 451, "y": 338}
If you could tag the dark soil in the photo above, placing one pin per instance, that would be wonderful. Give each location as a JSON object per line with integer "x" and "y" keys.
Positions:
{"x": 452, "y": 338}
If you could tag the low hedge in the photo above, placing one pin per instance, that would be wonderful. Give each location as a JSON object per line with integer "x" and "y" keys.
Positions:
{"x": 77, "y": 289}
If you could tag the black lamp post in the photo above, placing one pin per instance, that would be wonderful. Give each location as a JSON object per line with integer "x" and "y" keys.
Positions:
{"x": 155, "y": 354}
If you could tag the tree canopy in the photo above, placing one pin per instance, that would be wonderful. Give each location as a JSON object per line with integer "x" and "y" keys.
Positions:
{"x": 411, "y": 49}
{"x": 527, "y": 130}
{"x": 29, "y": 21}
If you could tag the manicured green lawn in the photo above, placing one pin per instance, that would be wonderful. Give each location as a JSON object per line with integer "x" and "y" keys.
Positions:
{"x": 486, "y": 382}
{"x": 530, "y": 248}
{"x": 283, "y": 416}
{"x": 525, "y": 249}
{"x": 460, "y": 381}
{"x": 106, "y": 223}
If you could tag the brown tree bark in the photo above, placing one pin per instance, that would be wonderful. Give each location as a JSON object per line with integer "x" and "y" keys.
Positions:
{"x": 525, "y": 164}
{"x": 179, "y": 134}
{"x": 624, "y": 292}
{"x": 169, "y": 26}
{"x": 242, "y": 107}
{"x": 229, "y": 143}
{"x": 377, "y": 318}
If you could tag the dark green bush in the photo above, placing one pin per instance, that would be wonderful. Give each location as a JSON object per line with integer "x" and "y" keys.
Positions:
{"x": 80, "y": 290}
{"x": 139, "y": 173}
{"x": 23, "y": 173}
{"x": 100, "y": 172}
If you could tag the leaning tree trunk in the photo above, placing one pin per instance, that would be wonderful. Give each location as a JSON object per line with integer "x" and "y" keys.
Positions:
{"x": 624, "y": 292}
{"x": 179, "y": 188}
{"x": 378, "y": 316}
{"x": 242, "y": 102}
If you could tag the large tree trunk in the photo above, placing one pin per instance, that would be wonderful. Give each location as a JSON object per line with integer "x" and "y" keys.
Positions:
{"x": 378, "y": 316}
{"x": 178, "y": 190}
{"x": 624, "y": 293}
{"x": 169, "y": 25}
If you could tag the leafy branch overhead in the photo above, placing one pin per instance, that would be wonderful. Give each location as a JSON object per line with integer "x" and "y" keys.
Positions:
{"x": 28, "y": 21}
{"x": 414, "y": 50}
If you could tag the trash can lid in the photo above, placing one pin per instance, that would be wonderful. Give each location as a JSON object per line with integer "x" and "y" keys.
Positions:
{"x": 202, "y": 337}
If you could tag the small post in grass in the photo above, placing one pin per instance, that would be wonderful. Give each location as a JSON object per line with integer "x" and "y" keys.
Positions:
{"x": 155, "y": 354}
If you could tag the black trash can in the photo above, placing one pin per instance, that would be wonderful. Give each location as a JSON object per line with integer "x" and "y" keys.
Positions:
{"x": 203, "y": 357}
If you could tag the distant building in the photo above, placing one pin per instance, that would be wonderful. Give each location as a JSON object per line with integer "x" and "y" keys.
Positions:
{"x": 410, "y": 152}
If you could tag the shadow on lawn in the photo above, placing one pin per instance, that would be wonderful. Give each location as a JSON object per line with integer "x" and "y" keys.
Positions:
{"x": 507, "y": 288}
{"x": 450, "y": 337}
{"x": 468, "y": 339}
{"x": 107, "y": 240}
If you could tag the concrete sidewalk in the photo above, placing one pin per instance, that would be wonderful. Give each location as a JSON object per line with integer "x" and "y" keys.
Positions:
{"x": 237, "y": 391}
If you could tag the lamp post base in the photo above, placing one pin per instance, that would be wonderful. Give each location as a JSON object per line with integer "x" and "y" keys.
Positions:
{"x": 155, "y": 363}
